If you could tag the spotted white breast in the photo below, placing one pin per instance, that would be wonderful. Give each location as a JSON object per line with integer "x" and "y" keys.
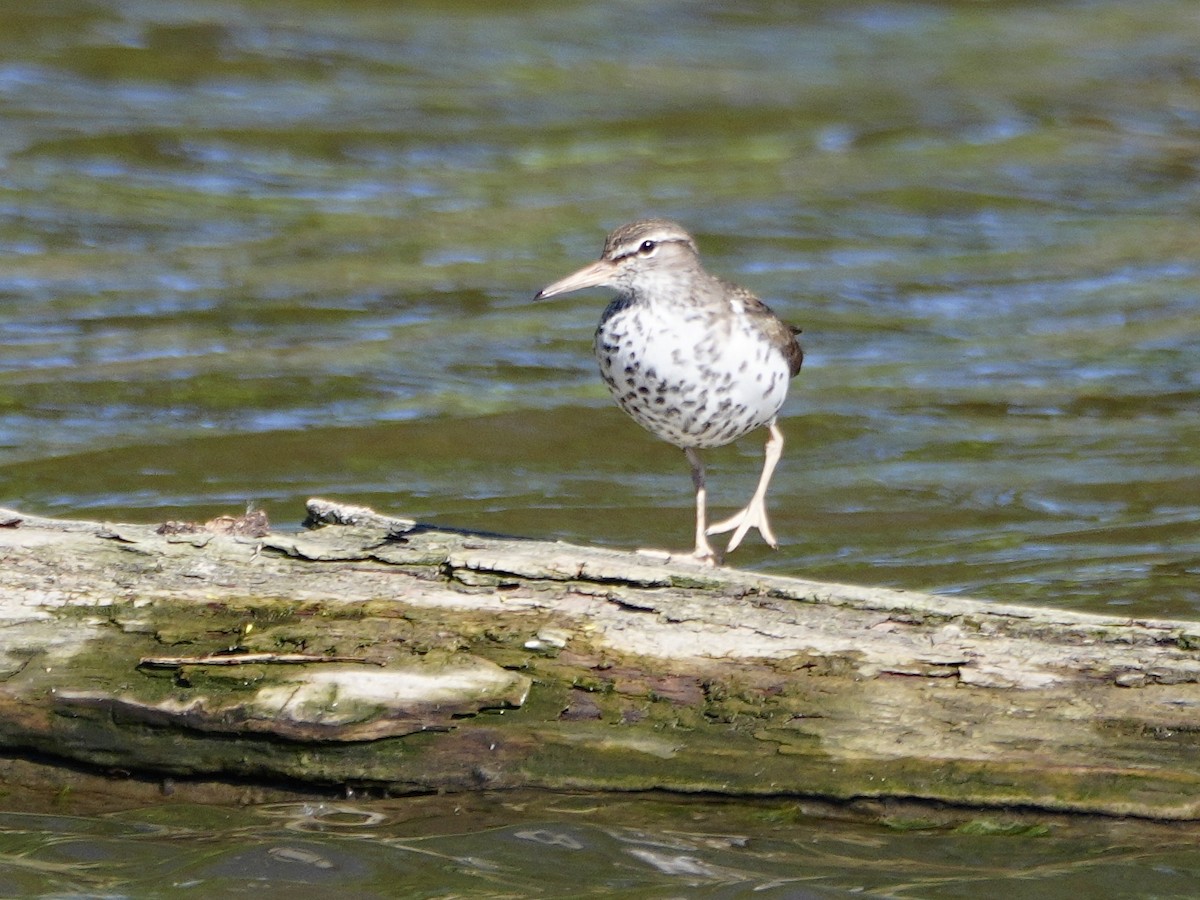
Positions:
{"x": 689, "y": 375}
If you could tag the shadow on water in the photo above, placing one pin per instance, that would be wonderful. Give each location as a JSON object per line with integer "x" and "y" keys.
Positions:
{"x": 545, "y": 845}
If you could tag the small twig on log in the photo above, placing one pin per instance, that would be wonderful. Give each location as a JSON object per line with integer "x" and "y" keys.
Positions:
{"x": 242, "y": 659}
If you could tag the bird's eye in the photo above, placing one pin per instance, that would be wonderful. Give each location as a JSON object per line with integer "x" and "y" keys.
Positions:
{"x": 647, "y": 248}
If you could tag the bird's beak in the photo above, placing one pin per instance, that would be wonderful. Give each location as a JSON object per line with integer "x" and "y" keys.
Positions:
{"x": 598, "y": 273}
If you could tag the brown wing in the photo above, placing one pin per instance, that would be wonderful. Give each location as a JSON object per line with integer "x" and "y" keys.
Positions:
{"x": 777, "y": 331}
{"x": 793, "y": 352}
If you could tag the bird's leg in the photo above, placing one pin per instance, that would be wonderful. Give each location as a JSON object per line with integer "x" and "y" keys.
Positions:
{"x": 704, "y": 551}
{"x": 755, "y": 513}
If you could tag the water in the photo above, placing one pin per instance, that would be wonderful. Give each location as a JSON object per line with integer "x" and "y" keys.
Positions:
{"x": 502, "y": 846}
{"x": 254, "y": 252}
{"x": 257, "y": 252}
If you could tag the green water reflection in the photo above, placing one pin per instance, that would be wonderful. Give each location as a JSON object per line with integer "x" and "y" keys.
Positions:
{"x": 569, "y": 846}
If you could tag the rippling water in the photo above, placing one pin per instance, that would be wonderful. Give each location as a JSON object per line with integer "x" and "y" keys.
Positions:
{"x": 516, "y": 846}
{"x": 254, "y": 252}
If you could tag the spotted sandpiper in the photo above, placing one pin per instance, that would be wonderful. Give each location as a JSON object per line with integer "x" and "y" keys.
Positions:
{"x": 695, "y": 360}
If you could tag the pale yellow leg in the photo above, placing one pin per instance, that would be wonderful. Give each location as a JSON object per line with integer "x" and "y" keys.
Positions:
{"x": 704, "y": 551}
{"x": 755, "y": 513}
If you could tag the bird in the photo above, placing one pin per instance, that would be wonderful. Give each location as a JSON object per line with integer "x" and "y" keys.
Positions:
{"x": 695, "y": 360}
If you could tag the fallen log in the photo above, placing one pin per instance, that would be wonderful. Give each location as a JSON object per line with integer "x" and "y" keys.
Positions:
{"x": 371, "y": 651}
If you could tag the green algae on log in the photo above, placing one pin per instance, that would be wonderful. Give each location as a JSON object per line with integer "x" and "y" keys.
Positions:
{"x": 376, "y": 651}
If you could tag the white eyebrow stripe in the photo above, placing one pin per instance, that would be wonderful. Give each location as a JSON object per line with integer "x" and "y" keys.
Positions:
{"x": 668, "y": 238}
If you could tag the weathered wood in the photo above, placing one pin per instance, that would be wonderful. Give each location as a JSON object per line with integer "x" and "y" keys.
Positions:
{"x": 421, "y": 658}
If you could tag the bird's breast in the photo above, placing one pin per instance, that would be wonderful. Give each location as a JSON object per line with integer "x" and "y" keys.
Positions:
{"x": 691, "y": 376}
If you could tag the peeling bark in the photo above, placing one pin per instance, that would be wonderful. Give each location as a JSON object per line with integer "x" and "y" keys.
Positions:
{"x": 380, "y": 651}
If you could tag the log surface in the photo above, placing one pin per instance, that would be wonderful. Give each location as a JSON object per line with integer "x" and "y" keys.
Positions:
{"x": 371, "y": 650}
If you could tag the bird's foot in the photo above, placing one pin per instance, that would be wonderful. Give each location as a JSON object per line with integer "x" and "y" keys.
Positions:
{"x": 704, "y": 553}
{"x": 706, "y": 556}
{"x": 753, "y": 516}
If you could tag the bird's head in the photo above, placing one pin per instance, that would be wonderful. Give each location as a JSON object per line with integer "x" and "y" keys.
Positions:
{"x": 636, "y": 256}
